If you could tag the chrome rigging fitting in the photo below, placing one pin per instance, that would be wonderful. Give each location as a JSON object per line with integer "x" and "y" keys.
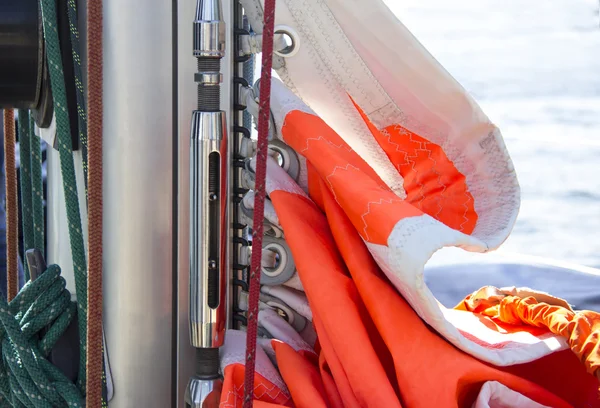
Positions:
{"x": 208, "y": 207}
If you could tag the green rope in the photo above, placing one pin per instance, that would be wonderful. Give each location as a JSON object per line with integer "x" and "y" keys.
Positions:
{"x": 37, "y": 190}
{"x": 26, "y": 196}
{"x": 27, "y": 378}
{"x": 81, "y": 111}
{"x": 32, "y": 199}
{"x": 67, "y": 165}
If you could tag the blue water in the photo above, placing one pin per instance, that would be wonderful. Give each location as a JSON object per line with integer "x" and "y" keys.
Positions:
{"x": 534, "y": 67}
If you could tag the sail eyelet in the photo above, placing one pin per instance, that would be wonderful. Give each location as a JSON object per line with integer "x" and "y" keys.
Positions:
{"x": 292, "y": 40}
{"x": 282, "y": 266}
{"x": 285, "y": 157}
{"x": 283, "y": 311}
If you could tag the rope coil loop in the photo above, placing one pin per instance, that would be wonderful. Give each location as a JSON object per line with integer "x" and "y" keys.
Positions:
{"x": 27, "y": 378}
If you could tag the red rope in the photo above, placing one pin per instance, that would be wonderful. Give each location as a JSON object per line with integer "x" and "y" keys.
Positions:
{"x": 94, "y": 329}
{"x": 259, "y": 198}
{"x": 12, "y": 212}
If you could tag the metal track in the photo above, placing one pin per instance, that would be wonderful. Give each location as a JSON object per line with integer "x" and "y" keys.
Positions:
{"x": 240, "y": 264}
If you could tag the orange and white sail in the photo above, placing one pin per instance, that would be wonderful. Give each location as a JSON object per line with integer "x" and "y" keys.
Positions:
{"x": 396, "y": 161}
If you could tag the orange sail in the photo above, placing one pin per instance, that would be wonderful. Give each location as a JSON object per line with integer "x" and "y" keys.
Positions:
{"x": 374, "y": 348}
{"x": 393, "y": 161}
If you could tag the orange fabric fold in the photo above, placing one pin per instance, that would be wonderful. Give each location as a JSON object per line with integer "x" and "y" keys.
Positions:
{"x": 372, "y": 207}
{"x": 580, "y": 328}
{"x": 432, "y": 182}
{"x": 302, "y": 378}
{"x": 266, "y": 394}
{"x": 339, "y": 315}
{"x": 333, "y": 395}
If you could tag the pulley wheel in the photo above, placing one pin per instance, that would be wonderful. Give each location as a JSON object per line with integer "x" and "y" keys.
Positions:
{"x": 24, "y": 80}
{"x": 21, "y": 54}
{"x": 24, "y": 76}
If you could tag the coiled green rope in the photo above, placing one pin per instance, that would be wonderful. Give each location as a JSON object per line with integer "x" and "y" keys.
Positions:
{"x": 27, "y": 378}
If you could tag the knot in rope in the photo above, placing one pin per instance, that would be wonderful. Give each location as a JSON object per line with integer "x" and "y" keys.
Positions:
{"x": 27, "y": 378}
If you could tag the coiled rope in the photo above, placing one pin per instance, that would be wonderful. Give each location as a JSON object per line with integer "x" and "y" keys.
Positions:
{"x": 27, "y": 378}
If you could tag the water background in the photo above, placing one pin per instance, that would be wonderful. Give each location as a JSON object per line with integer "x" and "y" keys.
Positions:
{"x": 534, "y": 67}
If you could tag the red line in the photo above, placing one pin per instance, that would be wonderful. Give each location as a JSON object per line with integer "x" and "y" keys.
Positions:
{"x": 259, "y": 198}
